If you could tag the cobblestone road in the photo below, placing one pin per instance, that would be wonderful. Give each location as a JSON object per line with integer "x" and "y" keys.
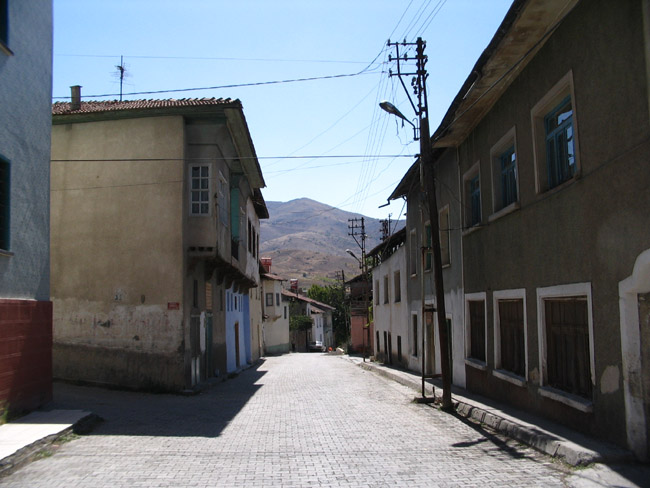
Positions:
{"x": 299, "y": 420}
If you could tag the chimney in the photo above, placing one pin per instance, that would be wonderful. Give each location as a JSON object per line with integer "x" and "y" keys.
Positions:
{"x": 75, "y": 97}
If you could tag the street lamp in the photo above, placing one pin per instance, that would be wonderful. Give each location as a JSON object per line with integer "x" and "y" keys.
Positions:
{"x": 349, "y": 251}
{"x": 393, "y": 110}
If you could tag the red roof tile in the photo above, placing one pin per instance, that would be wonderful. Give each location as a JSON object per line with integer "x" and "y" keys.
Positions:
{"x": 63, "y": 108}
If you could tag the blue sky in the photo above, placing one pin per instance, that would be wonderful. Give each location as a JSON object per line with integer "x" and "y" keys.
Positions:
{"x": 170, "y": 45}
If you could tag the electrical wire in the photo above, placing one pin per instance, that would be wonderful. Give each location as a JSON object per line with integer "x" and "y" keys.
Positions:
{"x": 210, "y": 58}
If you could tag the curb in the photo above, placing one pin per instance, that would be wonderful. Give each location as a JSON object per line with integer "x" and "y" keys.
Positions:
{"x": 544, "y": 441}
{"x": 38, "y": 448}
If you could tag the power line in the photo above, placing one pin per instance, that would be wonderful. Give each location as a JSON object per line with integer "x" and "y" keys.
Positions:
{"x": 219, "y": 87}
{"x": 221, "y": 158}
{"x": 211, "y": 58}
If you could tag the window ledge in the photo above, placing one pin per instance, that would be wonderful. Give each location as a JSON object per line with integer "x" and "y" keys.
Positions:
{"x": 509, "y": 377}
{"x": 471, "y": 230}
{"x": 475, "y": 363}
{"x": 6, "y": 254}
{"x": 504, "y": 211}
{"x": 573, "y": 401}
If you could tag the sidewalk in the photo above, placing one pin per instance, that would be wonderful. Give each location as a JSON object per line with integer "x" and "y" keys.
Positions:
{"x": 24, "y": 438}
{"x": 548, "y": 437}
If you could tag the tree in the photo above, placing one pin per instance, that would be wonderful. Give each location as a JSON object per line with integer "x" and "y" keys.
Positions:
{"x": 334, "y": 296}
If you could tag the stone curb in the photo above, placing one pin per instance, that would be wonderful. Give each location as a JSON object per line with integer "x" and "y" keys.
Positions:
{"x": 32, "y": 451}
{"x": 543, "y": 441}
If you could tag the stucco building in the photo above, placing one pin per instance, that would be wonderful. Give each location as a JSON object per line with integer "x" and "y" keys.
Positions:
{"x": 155, "y": 241}
{"x": 547, "y": 143}
{"x": 25, "y": 307}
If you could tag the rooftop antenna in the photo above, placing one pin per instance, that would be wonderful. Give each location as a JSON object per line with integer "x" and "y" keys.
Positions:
{"x": 121, "y": 68}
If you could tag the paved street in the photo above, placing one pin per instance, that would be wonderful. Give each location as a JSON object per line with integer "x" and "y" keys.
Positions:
{"x": 295, "y": 420}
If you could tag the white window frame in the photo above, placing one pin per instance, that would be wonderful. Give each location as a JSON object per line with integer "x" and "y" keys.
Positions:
{"x": 498, "y": 210}
{"x": 209, "y": 190}
{"x": 564, "y": 291}
{"x": 515, "y": 294}
{"x": 475, "y": 363}
{"x": 562, "y": 89}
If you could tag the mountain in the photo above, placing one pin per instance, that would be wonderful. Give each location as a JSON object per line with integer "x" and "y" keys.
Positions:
{"x": 307, "y": 240}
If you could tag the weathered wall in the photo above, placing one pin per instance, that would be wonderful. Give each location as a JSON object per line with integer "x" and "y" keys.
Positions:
{"x": 276, "y": 326}
{"x": 117, "y": 256}
{"x": 25, "y": 112}
{"x": 25, "y": 115}
{"x": 587, "y": 231}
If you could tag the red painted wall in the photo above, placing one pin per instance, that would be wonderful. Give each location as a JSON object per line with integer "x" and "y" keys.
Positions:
{"x": 25, "y": 354}
{"x": 357, "y": 335}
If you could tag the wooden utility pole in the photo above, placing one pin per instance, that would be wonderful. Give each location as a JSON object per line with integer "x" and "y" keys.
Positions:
{"x": 427, "y": 183}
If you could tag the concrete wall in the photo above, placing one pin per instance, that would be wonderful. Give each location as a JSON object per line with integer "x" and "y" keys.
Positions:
{"x": 589, "y": 230}
{"x": 276, "y": 326}
{"x": 117, "y": 251}
{"x": 25, "y": 112}
{"x": 392, "y": 317}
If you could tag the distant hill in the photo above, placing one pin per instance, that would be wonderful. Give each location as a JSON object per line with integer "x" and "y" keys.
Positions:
{"x": 307, "y": 240}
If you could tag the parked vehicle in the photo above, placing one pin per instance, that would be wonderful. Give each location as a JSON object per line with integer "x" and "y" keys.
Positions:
{"x": 316, "y": 346}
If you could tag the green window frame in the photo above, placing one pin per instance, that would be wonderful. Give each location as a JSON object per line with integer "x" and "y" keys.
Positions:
{"x": 560, "y": 148}
{"x": 508, "y": 161}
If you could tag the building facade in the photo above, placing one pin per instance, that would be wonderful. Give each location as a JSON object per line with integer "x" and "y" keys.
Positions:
{"x": 155, "y": 240}
{"x": 275, "y": 307}
{"x": 548, "y": 138}
{"x": 25, "y": 307}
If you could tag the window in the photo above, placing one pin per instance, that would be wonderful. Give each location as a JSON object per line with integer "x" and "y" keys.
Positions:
{"x": 399, "y": 348}
{"x": 472, "y": 185}
{"x": 413, "y": 256}
{"x": 376, "y": 292}
{"x": 443, "y": 219}
{"x": 5, "y": 191}
{"x": 555, "y": 136}
{"x": 414, "y": 341}
{"x": 397, "y": 286}
{"x": 285, "y": 311}
{"x": 386, "y": 290}
{"x": 4, "y": 22}
{"x": 195, "y": 294}
{"x": 277, "y": 299}
{"x": 475, "y": 329}
{"x": 510, "y": 332}
{"x": 505, "y": 187}
{"x": 428, "y": 253}
{"x": 221, "y": 200}
{"x": 269, "y": 299}
{"x": 566, "y": 340}
{"x": 560, "y": 153}
{"x": 377, "y": 345}
{"x": 199, "y": 189}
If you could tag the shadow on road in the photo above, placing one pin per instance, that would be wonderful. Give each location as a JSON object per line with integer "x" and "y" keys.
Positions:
{"x": 149, "y": 414}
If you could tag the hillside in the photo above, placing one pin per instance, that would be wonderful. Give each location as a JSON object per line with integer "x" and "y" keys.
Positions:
{"x": 307, "y": 240}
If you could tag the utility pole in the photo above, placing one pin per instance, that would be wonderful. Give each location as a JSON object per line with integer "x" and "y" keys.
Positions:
{"x": 427, "y": 185}
{"x": 357, "y": 229}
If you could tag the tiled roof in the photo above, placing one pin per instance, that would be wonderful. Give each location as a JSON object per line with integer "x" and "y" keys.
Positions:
{"x": 63, "y": 108}
{"x": 306, "y": 299}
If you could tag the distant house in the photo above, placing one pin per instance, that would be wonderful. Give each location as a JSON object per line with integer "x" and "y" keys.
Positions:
{"x": 361, "y": 315}
{"x": 275, "y": 307}
{"x": 396, "y": 339}
{"x": 25, "y": 307}
{"x": 320, "y": 313}
{"x": 549, "y": 139}
{"x": 155, "y": 241}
